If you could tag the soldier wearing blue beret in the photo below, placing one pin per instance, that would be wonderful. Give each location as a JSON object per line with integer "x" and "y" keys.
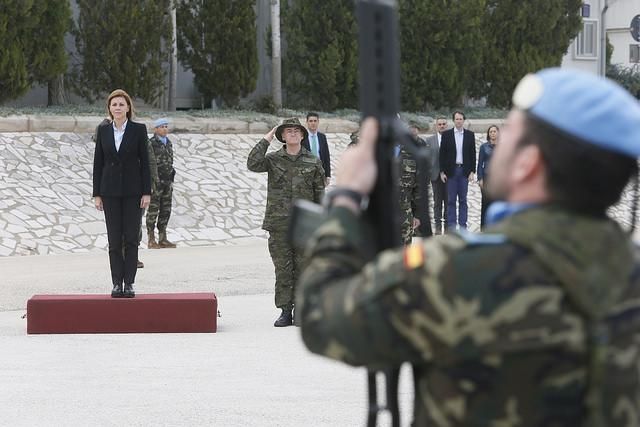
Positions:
{"x": 535, "y": 322}
{"x": 161, "y": 148}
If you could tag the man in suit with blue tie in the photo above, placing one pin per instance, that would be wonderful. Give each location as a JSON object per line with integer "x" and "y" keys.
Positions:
{"x": 457, "y": 168}
{"x": 317, "y": 144}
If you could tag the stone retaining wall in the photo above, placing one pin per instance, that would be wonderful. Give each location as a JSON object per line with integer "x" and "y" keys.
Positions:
{"x": 46, "y": 205}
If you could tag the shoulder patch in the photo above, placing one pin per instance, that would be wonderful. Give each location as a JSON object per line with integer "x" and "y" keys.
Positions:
{"x": 476, "y": 239}
{"x": 311, "y": 159}
{"x": 414, "y": 256}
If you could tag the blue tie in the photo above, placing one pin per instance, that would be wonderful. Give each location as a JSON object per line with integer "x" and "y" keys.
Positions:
{"x": 314, "y": 144}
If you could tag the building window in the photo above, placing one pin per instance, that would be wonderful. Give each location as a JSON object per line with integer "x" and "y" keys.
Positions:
{"x": 587, "y": 41}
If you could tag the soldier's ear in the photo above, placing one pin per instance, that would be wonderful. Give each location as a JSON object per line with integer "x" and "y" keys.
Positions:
{"x": 528, "y": 163}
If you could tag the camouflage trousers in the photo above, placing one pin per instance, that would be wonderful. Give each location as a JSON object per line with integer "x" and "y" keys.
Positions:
{"x": 406, "y": 227}
{"x": 160, "y": 206}
{"x": 287, "y": 262}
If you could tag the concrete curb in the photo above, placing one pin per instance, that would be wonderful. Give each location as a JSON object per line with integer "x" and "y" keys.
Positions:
{"x": 87, "y": 124}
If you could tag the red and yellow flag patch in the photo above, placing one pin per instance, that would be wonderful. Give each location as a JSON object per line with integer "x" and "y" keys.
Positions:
{"x": 414, "y": 256}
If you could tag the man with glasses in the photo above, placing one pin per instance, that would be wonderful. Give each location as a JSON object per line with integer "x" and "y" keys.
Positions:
{"x": 293, "y": 173}
{"x": 438, "y": 186}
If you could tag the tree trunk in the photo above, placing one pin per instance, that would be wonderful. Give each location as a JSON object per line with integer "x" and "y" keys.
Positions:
{"x": 276, "y": 60}
{"x": 173, "y": 67}
{"x": 55, "y": 91}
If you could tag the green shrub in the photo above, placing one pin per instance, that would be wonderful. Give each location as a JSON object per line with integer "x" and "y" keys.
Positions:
{"x": 217, "y": 41}
{"x": 629, "y": 78}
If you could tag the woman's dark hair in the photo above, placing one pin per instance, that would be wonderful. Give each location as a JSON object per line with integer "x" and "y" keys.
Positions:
{"x": 580, "y": 176}
{"x": 489, "y": 129}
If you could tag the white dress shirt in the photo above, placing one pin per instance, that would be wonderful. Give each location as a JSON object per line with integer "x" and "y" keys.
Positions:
{"x": 459, "y": 134}
{"x": 118, "y": 134}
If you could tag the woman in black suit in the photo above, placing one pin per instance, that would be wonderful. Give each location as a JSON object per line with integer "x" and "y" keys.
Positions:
{"x": 121, "y": 187}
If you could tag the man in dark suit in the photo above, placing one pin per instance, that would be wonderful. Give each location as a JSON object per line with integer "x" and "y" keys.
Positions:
{"x": 438, "y": 187}
{"x": 457, "y": 168}
{"x": 316, "y": 143}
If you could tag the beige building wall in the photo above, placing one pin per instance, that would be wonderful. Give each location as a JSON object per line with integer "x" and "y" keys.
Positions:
{"x": 584, "y": 52}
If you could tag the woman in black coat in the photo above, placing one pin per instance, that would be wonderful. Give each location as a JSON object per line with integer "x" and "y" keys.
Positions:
{"x": 122, "y": 187}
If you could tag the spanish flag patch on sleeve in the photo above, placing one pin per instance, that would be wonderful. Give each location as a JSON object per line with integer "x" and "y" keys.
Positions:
{"x": 414, "y": 256}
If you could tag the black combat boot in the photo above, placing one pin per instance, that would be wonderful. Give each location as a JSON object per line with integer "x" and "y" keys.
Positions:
{"x": 128, "y": 291}
{"x": 116, "y": 292}
{"x": 285, "y": 319}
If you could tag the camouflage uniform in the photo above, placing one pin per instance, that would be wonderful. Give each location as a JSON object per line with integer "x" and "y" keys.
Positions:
{"x": 409, "y": 194}
{"x": 160, "y": 207}
{"x": 153, "y": 169}
{"x": 289, "y": 178}
{"x": 498, "y": 326}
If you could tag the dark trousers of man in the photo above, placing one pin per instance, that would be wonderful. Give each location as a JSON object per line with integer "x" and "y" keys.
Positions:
{"x": 287, "y": 262}
{"x": 122, "y": 215}
{"x": 457, "y": 187}
{"x": 439, "y": 204}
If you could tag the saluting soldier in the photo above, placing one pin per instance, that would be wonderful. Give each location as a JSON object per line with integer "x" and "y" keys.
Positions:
{"x": 293, "y": 173}
{"x": 533, "y": 323}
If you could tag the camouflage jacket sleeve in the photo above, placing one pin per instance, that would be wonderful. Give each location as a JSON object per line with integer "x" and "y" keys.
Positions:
{"x": 153, "y": 166}
{"x": 343, "y": 307}
{"x": 257, "y": 160}
{"x": 318, "y": 184}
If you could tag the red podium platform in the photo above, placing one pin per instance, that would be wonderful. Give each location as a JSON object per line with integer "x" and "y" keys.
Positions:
{"x": 91, "y": 314}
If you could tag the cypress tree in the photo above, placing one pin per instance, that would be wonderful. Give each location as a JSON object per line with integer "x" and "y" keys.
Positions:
{"x": 441, "y": 45}
{"x": 14, "y": 75}
{"x": 31, "y": 44}
{"x": 217, "y": 42}
{"x": 51, "y": 21}
{"x": 320, "y": 66}
{"x": 123, "y": 44}
{"x": 523, "y": 37}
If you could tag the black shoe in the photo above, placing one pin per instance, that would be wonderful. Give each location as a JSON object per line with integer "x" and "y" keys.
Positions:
{"x": 116, "y": 292}
{"x": 285, "y": 319}
{"x": 128, "y": 291}
{"x": 140, "y": 264}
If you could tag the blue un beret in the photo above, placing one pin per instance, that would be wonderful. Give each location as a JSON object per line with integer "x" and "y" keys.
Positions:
{"x": 587, "y": 107}
{"x": 160, "y": 122}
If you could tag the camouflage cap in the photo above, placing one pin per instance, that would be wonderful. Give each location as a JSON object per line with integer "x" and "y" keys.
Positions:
{"x": 290, "y": 123}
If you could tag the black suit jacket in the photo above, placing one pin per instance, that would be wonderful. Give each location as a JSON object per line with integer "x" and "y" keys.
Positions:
{"x": 448, "y": 152}
{"x": 325, "y": 157}
{"x": 125, "y": 172}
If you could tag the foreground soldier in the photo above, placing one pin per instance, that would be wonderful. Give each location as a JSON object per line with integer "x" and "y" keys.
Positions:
{"x": 293, "y": 173}
{"x": 537, "y": 322}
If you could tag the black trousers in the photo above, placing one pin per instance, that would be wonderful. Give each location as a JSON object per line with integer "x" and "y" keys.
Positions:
{"x": 486, "y": 201}
{"x": 440, "y": 200}
{"x": 122, "y": 215}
